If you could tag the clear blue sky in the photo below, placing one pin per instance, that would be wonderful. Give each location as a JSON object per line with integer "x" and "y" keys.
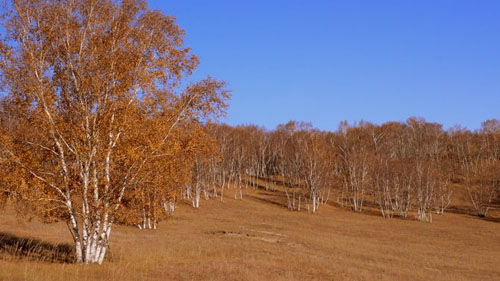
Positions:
{"x": 327, "y": 61}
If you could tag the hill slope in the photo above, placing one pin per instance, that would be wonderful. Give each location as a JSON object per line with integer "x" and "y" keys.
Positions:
{"x": 257, "y": 239}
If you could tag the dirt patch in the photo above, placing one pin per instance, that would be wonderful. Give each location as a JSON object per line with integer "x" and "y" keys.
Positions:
{"x": 260, "y": 235}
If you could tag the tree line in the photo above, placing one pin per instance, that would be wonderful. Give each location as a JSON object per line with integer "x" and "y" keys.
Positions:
{"x": 402, "y": 168}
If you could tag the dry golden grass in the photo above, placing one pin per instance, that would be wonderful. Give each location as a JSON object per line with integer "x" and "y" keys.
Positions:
{"x": 257, "y": 239}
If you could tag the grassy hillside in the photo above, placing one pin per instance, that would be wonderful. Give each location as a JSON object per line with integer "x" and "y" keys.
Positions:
{"x": 258, "y": 239}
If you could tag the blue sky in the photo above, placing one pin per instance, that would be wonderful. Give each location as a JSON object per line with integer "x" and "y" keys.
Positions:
{"x": 328, "y": 61}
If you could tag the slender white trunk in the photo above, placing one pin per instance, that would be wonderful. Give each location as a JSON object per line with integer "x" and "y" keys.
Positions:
{"x": 197, "y": 195}
{"x": 105, "y": 245}
{"x": 76, "y": 238}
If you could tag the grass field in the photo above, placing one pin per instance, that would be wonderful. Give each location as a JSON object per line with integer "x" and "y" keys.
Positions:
{"x": 258, "y": 239}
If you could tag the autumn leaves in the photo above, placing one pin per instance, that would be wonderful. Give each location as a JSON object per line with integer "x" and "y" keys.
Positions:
{"x": 97, "y": 129}
{"x": 403, "y": 169}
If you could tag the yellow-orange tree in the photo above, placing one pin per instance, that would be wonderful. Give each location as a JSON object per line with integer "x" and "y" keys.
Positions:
{"x": 94, "y": 87}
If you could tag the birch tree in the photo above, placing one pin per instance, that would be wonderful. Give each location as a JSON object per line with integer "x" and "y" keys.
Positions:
{"x": 316, "y": 169}
{"x": 81, "y": 76}
{"x": 356, "y": 154}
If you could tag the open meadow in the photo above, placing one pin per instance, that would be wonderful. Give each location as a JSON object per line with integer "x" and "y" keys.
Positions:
{"x": 258, "y": 239}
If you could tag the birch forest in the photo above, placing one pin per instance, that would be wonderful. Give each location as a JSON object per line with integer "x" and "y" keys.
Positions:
{"x": 101, "y": 124}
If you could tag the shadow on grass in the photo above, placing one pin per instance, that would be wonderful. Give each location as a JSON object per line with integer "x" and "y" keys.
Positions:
{"x": 490, "y": 219}
{"x": 266, "y": 200}
{"x": 486, "y": 218}
{"x": 33, "y": 249}
{"x": 469, "y": 211}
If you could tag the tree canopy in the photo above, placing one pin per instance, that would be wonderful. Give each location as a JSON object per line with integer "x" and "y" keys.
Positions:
{"x": 94, "y": 93}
